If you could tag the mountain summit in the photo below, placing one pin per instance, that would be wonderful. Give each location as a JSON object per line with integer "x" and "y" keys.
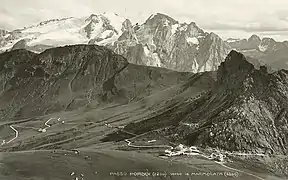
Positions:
{"x": 245, "y": 110}
{"x": 164, "y": 42}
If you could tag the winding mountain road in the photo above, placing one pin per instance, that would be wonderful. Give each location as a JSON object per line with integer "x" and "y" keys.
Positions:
{"x": 16, "y": 134}
{"x": 156, "y": 146}
{"x": 130, "y": 144}
{"x": 48, "y": 125}
{"x": 13, "y": 127}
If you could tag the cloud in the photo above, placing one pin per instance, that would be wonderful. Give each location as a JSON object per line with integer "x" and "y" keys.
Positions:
{"x": 243, "y": 16}
{"x": 249, "y": 27}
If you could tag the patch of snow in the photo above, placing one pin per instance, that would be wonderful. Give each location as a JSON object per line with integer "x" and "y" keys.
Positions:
{"x": 146, "y": 51}
{"x": 249, "y": 50}
{"x": 108, "y": 41}
{"x": 232, "y": 40}
{"x": 263, "y": 48}
{"x": 61, "y": 37}
{"x": 166, "y": 23}
{"x": 174, "y": 28}
{"x": 192, "y": 40}
{"x": 6, "y": 36}
{"x": 183, "y": 27}
{"x": 115, "y": 20}
{"x": 69, "y": 31}
{"x": 106, "y": 34}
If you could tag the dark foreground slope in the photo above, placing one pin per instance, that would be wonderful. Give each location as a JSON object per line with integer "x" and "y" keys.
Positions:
{"x": 106, "y": 165}
{"x": 67, "y": 78}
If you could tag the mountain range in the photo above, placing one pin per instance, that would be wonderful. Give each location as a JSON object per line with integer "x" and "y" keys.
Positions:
{"x": 101, "y": 100}
{"x": 267, "y": 51}
{"x": 104, "y": 95}
{"x": 160, "y": 41}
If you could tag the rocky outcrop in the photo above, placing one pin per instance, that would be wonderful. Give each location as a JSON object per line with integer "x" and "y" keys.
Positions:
{"x": 245, "y": 110}
{"x": 211, "y": 53}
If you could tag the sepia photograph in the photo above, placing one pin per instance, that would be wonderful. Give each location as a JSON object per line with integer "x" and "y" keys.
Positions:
{"x": 144, "y": 90}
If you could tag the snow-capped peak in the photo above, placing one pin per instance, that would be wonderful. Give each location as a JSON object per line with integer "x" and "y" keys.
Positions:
{"x": 105, "y": 27}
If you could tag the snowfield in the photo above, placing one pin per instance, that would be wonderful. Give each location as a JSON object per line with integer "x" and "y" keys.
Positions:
{"x": 68, "y": 31}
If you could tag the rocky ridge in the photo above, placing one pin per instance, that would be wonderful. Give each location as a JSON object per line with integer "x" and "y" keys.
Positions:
{"x": 245, "y": 111}
{"x": 72, "y": 77}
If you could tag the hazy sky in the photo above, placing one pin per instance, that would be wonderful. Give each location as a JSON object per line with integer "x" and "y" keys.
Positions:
{"x": 228, "y": 18}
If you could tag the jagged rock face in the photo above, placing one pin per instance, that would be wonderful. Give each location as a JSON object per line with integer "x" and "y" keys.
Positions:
{"x": 72, "y": 77}
{"x": 99, "y": 27}
{"x": 211, "y": 53}
{"x": 245, "y": 111}
{"x": 164, "y": 42}
{"x": 128, "y": 31}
